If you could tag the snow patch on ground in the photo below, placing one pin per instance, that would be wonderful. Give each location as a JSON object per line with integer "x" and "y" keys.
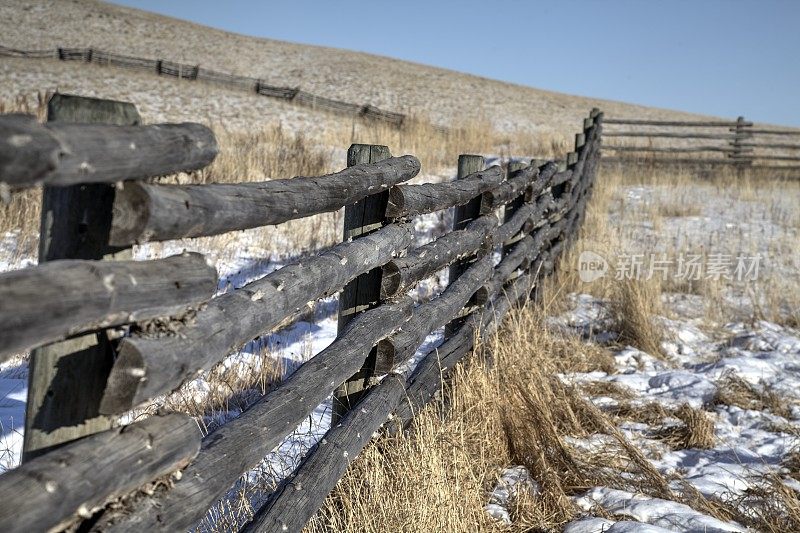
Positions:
{"x": 747, "y": 442}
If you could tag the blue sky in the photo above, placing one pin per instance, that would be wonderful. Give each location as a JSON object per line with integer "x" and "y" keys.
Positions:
{"x": 718, "y": 57}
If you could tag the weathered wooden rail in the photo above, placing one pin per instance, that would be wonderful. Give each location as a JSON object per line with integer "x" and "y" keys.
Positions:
{"x": 704, "y": 142}
{"x": 88, "y": 478}
{"x": 182, "y": 71}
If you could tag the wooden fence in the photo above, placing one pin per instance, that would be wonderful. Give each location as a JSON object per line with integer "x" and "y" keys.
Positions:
{"x": 738, "y": 143}
{"x": 183, "y": 71}
{"x": 109, "y": 334}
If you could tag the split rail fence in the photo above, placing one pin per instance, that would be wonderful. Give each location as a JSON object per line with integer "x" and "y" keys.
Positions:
{"x": 737, "y": 143}
{"x": 183, "y": 71}
{"x": 110, "y": 334}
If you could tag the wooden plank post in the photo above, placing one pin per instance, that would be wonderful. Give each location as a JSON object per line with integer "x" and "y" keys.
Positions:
{"x": 66, "y": 379}
{"x": 361, "y": 218}
{"x": 740, "y": 160}
{"x": 515, "y": 204}
{"x": 464, "y": 214}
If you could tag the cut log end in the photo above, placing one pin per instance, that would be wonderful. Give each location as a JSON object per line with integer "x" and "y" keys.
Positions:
{"x": 130, "y": 214}
{"x": 124, "y": 382}
{"x": 396, "y": 205}
{"x": 390, "y": 280}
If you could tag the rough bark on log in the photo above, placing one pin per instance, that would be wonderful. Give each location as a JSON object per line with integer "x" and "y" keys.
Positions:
{"x": 61, "y": 153}
{"x": 527, "y": 212}
{"x": 544, "y": 180}
{"x": 434, "y": 314}
{"x": 303, "y": 493}
{"x": 58, "y": 299}
{"x": 411, "y": 200}
{"x": 692, "y": 123}
{"x": 401, "y": 273}
{"x": 561, "y": 178}
{"x": 145, "y": 212}
{"x": 518, "y": 257}
{"x": 241, "y": 443}
{"x": 147, "y": 367}
{"x": 671, "y": 135}
{"x": 50, "y": 491}
{"x": 673, "y": 149}
{"x": 508, "y": 190}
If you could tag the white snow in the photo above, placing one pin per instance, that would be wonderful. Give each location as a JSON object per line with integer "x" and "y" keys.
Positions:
{"x": 748, "y": 442}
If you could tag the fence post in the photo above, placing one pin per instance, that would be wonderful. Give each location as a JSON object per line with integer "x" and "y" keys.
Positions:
{"x": 464, "y": 214}
{"x": 361, "y": 218}
{"x": 516, "y": 203}
{"x": 739, "y": 159}
{"x": 66, "y": 379}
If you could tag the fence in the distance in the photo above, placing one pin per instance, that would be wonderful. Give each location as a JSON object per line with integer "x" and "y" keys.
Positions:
{"x": 183, "y": 71}
{"x": 736, "y": 143}
{"x": 110, "y": 334}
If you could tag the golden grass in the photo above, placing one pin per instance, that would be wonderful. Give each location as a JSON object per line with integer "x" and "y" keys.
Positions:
{"x": 635, "y": 308}
{"x": 695, "y": 431}
{"x": 735, "y": 391}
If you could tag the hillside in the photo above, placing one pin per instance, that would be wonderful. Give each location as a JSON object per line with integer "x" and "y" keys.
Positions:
{"x": 443, "y": 96}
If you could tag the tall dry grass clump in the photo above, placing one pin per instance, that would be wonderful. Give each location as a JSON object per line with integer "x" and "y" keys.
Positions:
{"x": 635, "y": 306}
{"x": 515, "y": 411}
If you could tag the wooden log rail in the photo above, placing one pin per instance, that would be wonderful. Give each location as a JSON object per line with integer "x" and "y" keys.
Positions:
{"x": 90, "y": 295}
{"x": 98, "y": 476}
{"x": 145, "y": 212}
{"x": 184, "y": 71}
{"x": 68, "y": 154}
{"x": 402, "y": 273}
{"x": 745, "y": 146}
{"x": 411, "y": 200}
{"x": 148, "y": 366}
{"x": 52, "y": 491}
{"x": 433, "y": 314}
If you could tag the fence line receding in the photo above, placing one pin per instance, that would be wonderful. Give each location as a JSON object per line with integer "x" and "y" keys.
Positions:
{"x": 87, "y": 478}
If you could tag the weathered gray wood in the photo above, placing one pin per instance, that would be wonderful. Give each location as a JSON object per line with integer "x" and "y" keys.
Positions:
{"x": 688, "y": 123}
{"x": 572, "y": 158}
{"x": 434, "y": 314}
{"x": 88, "y": 110}
{"x": 150, "y": 365}
{"x": 304, "y": 492}
{"x": 518, "y": 256}
{"x": 240, "y": 444}
{"x": 775, "y": 157}
{"x": 520, "y": 178}
{"x": 146, "y": 212}
{"x": 363, "y": 292}
{"x": 50, "y": 492}
{"x": 66, "y": 379}
{"x": 524, "y": 219}
{"x": 765, "y": 131}
{"x": 776, "y": 146}
{"x": 61, "y": 153}
{"x": 401, "y": 273}
{"x": 515, "y": 202}
{"x": 561, "y": 178}
{"x": 671, "y": 135}
{"x": 671, "y": 149}
{"x": 57, "y": 299}
{"x": 411, "y": 200}
{"x": 462, "y": 216}
{"x": 547, "y": 170}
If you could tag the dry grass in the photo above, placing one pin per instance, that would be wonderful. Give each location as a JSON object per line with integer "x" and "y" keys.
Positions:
{"x": 735, "y": 391}
{"x": 438, "y": 475}
{"x": 634, "y": 308}
{"x": 695, "y": 431}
